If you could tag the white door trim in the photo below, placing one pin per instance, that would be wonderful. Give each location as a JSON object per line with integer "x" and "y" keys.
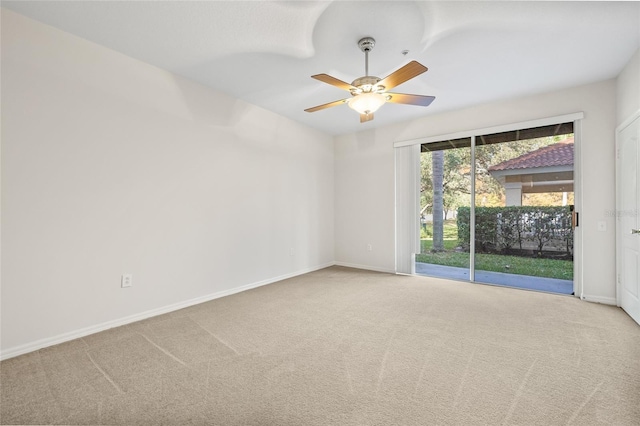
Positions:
{"x": 578, "y": 283}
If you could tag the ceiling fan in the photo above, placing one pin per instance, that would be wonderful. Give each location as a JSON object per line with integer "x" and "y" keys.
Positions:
{"x": 369, "y": 92}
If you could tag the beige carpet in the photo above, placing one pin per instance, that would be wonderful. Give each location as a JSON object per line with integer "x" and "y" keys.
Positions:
{"x": 344, "y": 347}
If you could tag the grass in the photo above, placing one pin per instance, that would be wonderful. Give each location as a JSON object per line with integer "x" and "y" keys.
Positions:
{"x": 548, "y": 268}
{"x": 449, "y": 231}
{"x": 427, "y": 244}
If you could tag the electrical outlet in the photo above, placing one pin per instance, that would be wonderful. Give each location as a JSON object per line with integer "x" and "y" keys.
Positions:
{"x": 126, "y": 280}
{"x": 369, "y": 247}
{"x": 292, "y": 252}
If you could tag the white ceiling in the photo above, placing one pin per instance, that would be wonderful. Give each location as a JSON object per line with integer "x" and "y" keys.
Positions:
{"x": 265, "y": 52}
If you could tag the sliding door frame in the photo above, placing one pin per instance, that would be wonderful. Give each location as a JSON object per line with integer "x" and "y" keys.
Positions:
{"x": 472, "y": 213}
{"x": 577, "y": 177}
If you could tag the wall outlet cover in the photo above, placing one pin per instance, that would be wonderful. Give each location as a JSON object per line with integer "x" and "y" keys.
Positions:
{"x": 126, "y": 280}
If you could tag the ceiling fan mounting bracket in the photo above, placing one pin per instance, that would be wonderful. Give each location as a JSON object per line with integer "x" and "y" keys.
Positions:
{"x": 366, "y": 44}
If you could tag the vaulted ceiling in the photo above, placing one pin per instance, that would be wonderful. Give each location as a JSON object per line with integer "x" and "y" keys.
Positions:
{"x": 265, "y": 52}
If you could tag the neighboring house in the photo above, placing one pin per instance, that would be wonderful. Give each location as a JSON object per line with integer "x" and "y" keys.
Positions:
{"x": 548, "y": 169}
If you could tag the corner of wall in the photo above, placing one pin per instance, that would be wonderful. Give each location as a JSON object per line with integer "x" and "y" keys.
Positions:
{"x": 628, "y": 89}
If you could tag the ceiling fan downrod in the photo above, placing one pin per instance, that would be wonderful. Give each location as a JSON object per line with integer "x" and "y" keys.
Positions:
{"x": 366, "y": 45}
{"x": 366, "y": 83}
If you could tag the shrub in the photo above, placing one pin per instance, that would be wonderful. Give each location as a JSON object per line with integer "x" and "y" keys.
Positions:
{"x": 502, "y": 229}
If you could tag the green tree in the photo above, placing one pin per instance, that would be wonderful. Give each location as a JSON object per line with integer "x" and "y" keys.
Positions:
{"x": 455, "y": 175}
{"x": 455, "y": 180}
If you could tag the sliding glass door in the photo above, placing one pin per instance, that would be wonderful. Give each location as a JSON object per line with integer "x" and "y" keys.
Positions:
{"x": 445, "y": 194}
{"x": 497, "y": 209}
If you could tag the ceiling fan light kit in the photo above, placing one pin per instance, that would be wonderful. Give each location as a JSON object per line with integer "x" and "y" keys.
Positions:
{"x": 369, "y": 93}
{"x": 367, "y": 102}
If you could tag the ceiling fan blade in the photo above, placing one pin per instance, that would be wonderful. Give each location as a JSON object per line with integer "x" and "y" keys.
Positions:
{"x": 401, "y": 98}
{"x": 323, "y": 106}
{"x": 326, "y": 78}
{"x": 399, "y": 76}
{"x": 366, "y": 117}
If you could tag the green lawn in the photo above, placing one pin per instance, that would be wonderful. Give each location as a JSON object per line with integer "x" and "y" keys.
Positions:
{"x": 427, "y": 244}
{"x": 449, "y": 231}
{"x": 549, "y": 268}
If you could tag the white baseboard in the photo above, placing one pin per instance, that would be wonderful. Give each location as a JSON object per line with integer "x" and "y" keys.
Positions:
{"x": 600, "y": 299}
{"x": 367, "y": 267}
{"x": 65, "y": 337}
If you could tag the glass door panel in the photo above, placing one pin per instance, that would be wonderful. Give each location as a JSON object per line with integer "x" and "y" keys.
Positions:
{"x": 445, "y": 199}
{"x": 523, "y": 202}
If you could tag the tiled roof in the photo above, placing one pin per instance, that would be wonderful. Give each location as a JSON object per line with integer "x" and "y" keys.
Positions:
{"x": 557, "y": 154}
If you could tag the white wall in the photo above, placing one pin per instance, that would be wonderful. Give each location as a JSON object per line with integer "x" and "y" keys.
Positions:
{"x": 364, "y": 200}
{"x": 364, "y": 177}
{"x": 110, "y": 165}
{"x": 628, "y": 89}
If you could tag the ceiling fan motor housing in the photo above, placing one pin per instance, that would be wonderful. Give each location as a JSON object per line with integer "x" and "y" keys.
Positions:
{"x": 366, "y": 84}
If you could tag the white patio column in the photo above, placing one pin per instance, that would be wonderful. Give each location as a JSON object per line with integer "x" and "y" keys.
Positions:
{"x": 513, "y": 193}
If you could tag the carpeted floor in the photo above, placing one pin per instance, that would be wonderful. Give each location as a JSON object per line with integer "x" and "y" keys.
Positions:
{"x": 344, "y": 347}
